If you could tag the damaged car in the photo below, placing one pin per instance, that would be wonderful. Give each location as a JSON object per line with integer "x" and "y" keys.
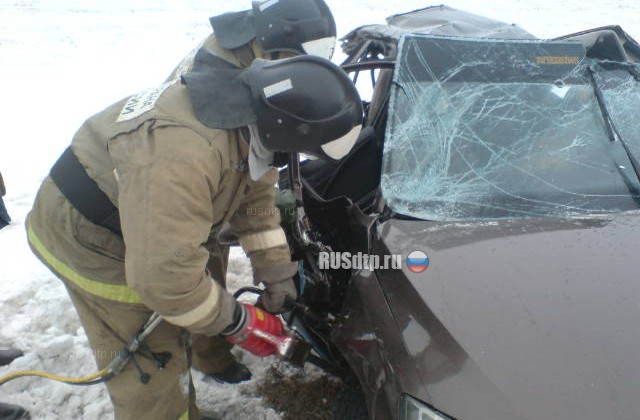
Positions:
{"x": 506, "y": 169}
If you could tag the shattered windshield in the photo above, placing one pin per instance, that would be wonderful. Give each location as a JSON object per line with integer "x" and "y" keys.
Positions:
{"x": 489, "y": 129}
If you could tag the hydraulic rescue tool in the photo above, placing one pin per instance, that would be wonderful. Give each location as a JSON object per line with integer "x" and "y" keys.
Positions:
{"x": 285, "y": 343}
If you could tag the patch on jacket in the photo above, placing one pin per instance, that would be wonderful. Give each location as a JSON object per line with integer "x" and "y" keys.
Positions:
{"x": 142, "y": 102}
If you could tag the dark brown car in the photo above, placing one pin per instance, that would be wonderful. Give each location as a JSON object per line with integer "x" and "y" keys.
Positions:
{"x": 508, "y": 167}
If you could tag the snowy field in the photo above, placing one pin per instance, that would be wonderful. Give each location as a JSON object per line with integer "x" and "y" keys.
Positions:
{"x": 64, "y": 60}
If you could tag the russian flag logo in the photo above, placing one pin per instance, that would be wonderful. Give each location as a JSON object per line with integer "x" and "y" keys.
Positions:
{"x": 417, "y": 261}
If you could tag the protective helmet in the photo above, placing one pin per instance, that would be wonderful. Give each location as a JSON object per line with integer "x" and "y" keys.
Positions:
{"x": 293, "y": 26}
{"x": 305, "y": 104}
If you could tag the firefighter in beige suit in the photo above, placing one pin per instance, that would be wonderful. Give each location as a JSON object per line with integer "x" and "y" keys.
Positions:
{"x": 269, "y": 30}
{"x": 129, "y": 211}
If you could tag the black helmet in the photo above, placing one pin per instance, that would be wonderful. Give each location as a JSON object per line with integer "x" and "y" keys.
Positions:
{"x": 305, "y": 104}
{"x": 293, "y": 26}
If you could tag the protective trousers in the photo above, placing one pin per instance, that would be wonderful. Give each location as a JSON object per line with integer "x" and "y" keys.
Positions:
{"x": 169, "y": 394}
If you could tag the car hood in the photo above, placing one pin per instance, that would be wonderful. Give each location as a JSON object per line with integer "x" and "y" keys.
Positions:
{"x": 534, "y": 319}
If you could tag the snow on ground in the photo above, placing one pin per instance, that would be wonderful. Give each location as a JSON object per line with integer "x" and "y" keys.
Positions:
{"x": 64, "y": 60}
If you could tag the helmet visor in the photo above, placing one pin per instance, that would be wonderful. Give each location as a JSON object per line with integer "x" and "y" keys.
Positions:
{"x": 337, "y": 149}
{"x": 322, "y": 47}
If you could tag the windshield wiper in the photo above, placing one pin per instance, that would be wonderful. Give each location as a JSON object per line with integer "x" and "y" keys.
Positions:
{"x": 612, "y": 130}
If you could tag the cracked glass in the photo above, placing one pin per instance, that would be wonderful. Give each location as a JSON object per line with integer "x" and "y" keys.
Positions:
{"x": 492, "y": 129}
{"x": 620, "y": 85}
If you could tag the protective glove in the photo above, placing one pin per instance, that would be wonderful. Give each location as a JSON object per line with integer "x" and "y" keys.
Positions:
{"x": 276, "y": 293}
{"x": 247, "y": 320}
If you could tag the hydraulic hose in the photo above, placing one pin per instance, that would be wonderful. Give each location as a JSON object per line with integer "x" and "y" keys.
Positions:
{"x": 114, "y": 367}
{"x": 97, "y": 377}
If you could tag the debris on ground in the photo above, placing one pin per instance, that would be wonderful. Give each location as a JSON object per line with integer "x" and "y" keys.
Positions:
{"x": 296, "y": 396}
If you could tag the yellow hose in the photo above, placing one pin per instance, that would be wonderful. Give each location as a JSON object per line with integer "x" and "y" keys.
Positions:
{"x": 20, "y": 374}
{"x": 114, "y": 367}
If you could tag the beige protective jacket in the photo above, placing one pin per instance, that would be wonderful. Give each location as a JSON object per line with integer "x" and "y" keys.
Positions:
{"x": 175, "y": 182}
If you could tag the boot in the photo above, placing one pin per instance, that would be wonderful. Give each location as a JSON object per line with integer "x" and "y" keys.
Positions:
{"x": 9, "y": 355}
{"x": 13, "y": 412}
{"x": 235, "y": 373}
